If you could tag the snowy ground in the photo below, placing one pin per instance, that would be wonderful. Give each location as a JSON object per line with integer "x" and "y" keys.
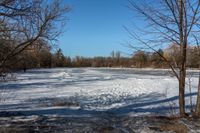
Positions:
{"x": 94, "y": 91}
{"x": 94, "y": 100}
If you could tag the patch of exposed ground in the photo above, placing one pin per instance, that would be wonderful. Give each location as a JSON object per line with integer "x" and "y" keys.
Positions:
{"x": 104, "y": 124}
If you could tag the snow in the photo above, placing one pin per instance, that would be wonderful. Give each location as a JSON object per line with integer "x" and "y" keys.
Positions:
{"x": 60, "y": 75}
{"x": 89, "y": 91}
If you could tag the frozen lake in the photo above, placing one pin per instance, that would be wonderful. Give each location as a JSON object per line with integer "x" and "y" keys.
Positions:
{"x": 94, "y": 91}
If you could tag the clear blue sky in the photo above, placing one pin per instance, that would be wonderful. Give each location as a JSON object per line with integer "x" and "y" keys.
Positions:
{"x": 95, "y": 27}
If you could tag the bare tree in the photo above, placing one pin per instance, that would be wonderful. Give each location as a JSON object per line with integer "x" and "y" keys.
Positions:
{"x": 197, "y": 109}
{"x": 23, "y": 22}
{"x": 118, "y": 57}
{"x": 169, "y": 21}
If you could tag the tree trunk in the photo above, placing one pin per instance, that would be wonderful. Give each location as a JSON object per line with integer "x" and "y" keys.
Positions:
{"x": 183, "y": 47}
{"x": 197, "y": 110}
{"x": 182, "y": 94}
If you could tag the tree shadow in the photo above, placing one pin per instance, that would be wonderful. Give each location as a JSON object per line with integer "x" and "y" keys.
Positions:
{"x": 57, "y": 82}
{"x": 142, "y": 107}
{"x": 153, "y": 103}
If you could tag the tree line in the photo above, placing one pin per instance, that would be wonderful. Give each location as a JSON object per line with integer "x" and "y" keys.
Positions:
{"x": 40, "y": 55}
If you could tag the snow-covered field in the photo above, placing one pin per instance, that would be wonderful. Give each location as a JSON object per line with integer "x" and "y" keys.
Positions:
{"x": 93, "y": 91}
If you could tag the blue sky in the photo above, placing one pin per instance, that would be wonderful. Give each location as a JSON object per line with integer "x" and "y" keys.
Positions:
{"x": 95, "y": 27}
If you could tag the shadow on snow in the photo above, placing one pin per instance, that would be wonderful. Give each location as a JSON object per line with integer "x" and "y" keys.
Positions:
{"x": 152, "y": 103}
